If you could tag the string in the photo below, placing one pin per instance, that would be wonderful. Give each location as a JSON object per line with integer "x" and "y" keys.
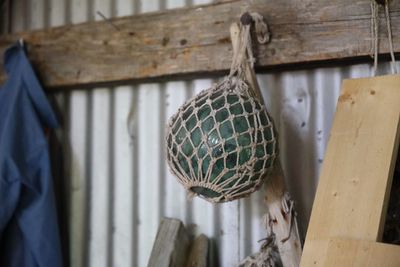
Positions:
{"x": 245, "y": 43}
{"x": 389, "y": 30}
{"x": 212, "y": 182}
{"x": 375, "y": 35}
{"x": 239, "y": 56}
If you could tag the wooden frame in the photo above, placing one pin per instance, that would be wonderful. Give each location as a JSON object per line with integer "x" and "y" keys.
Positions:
{"x": 355, "y": 253}
{"x": 356, "y": 177}
{"x": 195, "y": 41}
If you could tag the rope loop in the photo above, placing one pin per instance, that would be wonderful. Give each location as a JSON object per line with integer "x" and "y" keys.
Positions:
{"x": 375, "y": 6}
{"x": 245, "y": 43}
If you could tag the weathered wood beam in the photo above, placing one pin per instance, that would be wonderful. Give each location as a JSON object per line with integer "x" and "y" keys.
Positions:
{"x": 277, "y": 197}
{"x": 196, "y": 40}
{"x": 171, "y": 246}
{"x": 198, "y": 255}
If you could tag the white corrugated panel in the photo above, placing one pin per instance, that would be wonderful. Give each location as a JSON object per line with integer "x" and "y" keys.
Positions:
{"x": 119, "y": 186}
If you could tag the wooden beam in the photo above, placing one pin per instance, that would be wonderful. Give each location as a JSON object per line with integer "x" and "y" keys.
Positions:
{"x": 277, "y": 197}
{"x": 356, "y": 177}
{"x": 198, "y": 255}
{"x": 196, "y": 40}
{"x": 355, "y": 253}
{"x": 171, "y": 245}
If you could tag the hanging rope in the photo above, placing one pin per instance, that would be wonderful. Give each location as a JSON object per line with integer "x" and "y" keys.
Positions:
{"x": 375, "y": 35}
{"x": 221, "y": 143}
{"x": 245, "y": 43}
{"x": 389, "y": 30}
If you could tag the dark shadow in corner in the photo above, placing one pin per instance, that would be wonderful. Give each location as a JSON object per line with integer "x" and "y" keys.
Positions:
{"x": 57, "y": 139}
{"x": 213, "y": 260}
{"x": 391, "y": 232}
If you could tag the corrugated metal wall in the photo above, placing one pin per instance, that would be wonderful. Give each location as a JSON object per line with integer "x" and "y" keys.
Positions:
{"x": 113, "y": 175}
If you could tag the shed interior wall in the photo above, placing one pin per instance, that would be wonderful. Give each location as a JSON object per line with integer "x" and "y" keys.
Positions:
{"x": 113, "y": 177}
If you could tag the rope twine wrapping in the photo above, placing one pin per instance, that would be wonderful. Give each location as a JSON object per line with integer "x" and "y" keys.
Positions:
{"x": 375, "y": 34}
{"x": 221, "y": 143}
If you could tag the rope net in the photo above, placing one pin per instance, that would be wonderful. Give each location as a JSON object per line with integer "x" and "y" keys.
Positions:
{"x": 221, "y": 143}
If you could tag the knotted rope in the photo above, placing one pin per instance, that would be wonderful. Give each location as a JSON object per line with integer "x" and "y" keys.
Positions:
{"x": 221, "y": 143}
{"x": 244, "y": 53}
{"x": 375, "y": 35}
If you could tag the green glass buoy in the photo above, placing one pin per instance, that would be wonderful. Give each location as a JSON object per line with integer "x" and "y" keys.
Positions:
{"x": 221, "y": 143}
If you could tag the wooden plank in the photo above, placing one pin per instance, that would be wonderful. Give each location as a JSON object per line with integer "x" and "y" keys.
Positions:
{"x": 279, "y": 212}
{"x": 356, "y": 176}
{"x": 198, "y": 256}
{"x": 195, "y": 40}
{"x": 171, "y": 245}
{"x": 355, "y": 253}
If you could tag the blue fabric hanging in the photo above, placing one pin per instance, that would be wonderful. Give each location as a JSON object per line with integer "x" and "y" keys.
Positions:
{"x": 29, "y": 235}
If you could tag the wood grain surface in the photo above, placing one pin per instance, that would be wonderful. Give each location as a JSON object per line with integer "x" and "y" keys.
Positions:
{"x": 171, "y": 246}
{"x": 352, "y": 253}
{"x": 356, "y": 177}
{"x": 195, "y": 40}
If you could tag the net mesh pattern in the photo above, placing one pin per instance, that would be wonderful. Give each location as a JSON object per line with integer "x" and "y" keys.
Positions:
{"x": 221, "y": 143}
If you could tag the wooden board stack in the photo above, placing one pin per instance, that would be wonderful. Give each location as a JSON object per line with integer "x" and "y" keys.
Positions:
{"x": 172, "y": 247}
{"x": 350, "y": 205}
